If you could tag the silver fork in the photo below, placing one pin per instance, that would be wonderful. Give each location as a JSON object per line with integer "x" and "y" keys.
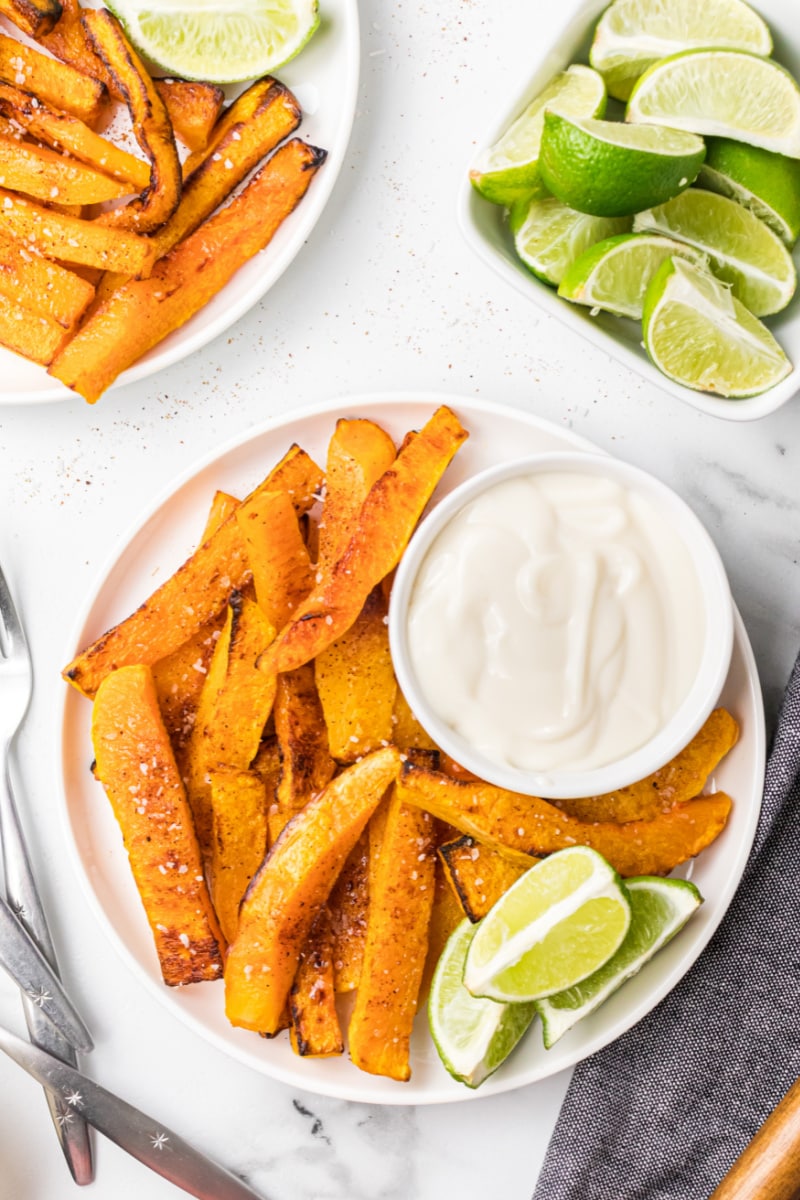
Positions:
{"x": 16, "y": 678}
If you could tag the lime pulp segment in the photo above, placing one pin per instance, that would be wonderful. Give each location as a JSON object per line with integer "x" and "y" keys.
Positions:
{"x": 550, "y": 236}
{"x": 614, "y": 274}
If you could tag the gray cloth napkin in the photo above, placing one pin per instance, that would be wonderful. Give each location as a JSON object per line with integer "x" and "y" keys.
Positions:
{"x": 665, "y": 1111}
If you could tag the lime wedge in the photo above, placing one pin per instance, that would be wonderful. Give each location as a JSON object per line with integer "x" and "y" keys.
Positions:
{"x": 659, "y": 909}
{"x": 614, "y": 274}
{"x": 554, "y": 927}
{"x": 509, "y": 169}
{"x": 722, "y": 93}
{"x": 473, "y": 1036}
{"x": 615, "y": 170}
{"x": 766, "y": 183}
{"x": 549, "y": 236}
{"x": 744, "y": 252}
{"x": 700, "y": 335}
{"x": 218, "y": 43}
{"x": 633, "y": 34}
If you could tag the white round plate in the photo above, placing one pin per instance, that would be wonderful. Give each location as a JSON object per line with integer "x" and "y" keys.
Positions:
{"x": 324, "y": 77}
{"x": 158, "y": 544}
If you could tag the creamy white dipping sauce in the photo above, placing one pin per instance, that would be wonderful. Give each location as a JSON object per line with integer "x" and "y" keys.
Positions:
{"x": 556, "y": 622}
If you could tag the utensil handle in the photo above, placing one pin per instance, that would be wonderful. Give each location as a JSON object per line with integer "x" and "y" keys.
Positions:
{"x": 73, "y": 1135}
{"x": 769, "y": 1168}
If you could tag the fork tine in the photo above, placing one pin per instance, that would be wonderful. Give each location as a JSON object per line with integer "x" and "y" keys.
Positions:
{"x": 11, "y": 631}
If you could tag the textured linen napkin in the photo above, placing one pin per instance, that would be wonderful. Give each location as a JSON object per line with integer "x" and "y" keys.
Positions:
{"x": 665, "y": 1111}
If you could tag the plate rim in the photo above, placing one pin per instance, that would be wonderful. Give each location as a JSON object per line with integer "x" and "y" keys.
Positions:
{"x": 309, "y": 214}
{"x": 340, "y": 405}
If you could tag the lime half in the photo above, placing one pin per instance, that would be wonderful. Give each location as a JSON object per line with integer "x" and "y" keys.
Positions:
{"x": 744, "y": 252}
{"x": 659, "y": 909}
{"x": 510, "y": 168}
{"x": 615, "y": 170}
{"x": 722, "y": 93}
{"x": 549, "y": 236}
{"x": 473, "y": 1036}
{"x": 614, "y": 274}
{"x": 766, "y": 183}
{"x": 554, "y": 927}
{"x": 633, "y": 34}
{"x": 220, "y": 43}
{"x": 700, "y": 335}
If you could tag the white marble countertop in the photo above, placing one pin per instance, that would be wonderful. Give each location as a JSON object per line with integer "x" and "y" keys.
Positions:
{"x": 383, "y": 297}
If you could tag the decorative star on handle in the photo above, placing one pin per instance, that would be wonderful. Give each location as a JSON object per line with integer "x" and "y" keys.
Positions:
{"x": 159, "y": 1140}
{"x": 41, "y": 997}
{"x": 73, "y": 1098}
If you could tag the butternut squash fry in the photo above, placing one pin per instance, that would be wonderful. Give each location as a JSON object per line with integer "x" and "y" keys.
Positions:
{"x": 682, "y": 778}
{"x": 135, "y": 764}
{"x": 47, "y": 176}
{"x": 478, "y": 876}
{"x": 144, "y": 311}
{"x": 291, "y": 887}
{"x": 358, "y": 454}
{"x": 278, "y": 558}
{"x": 401, "y": 901}
{"x": 33, "y": 17}
{"x": 54, "y": 82}
{"x": 28, "y": 333}
{"x": 65, "y": 132}
{"x": 196, "y": 593}
{"x": 194, "y": 760}
{"x": 42, "y": 286}
{"x": 179, "y": 679}
{"x": 347, "y": 908}
{"x": 192, "y": 107}
{"x": 151, "y": 126}
{"x": 222, "y": 506}
{"x": 385, "y": 524}
{"x": 238, "y": 842}
{"x": 69, "y": 42}
{"x": 306, "y": 764}
{"x": 505, "y": 819}
{"x": 407, "y": 733}
{"x": 356, "y": 683}
{"x": 315, "y": 1030}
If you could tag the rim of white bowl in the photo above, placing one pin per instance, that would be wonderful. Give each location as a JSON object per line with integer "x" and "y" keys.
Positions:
{"x": 692, "y": 712}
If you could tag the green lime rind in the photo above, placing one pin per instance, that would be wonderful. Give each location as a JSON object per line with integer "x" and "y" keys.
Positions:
{"x": 613, "y": 275}
{"x": 549, "y": 236}
{"x": 722, "y": 93}
{"x": 699, "y": 335}
{"x": 659, "y": 909}
{"x": 473, "y": 1036}
{"x": 509, "y": 170}
{"x": 766, "y": 183}
{"x": 743, "y": 251}
{"x": 555, "y": 926}
{"x": 219, "y": 45}
{"x": 615, "y": 170}
{"x": 633, "y": 34}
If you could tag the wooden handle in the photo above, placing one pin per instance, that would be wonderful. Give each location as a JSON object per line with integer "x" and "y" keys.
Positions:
{"x": 769, "y": 1168}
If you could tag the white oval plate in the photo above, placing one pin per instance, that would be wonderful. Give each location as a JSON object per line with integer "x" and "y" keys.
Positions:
{"x": 153, "y": 549}
{"x": 485, "y": 229}
{"x": 324, "y": 77}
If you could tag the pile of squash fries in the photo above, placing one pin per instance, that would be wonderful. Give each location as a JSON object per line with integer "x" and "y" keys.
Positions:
{"x": 289, "y": 824}
{"x": 103, "y": 253}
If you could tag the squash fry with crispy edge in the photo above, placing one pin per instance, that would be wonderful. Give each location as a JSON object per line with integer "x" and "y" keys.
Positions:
{"x": 506, "y": 819}
{"x": 238, "y": 841}
{"x": 386, "y": 521}
{"x": 478, "y": 876}
{"x": 69, "y": 42}
{"x": 197, "y": 592}
{"x": 135, "y": 764}
{"x": 151, "y": 126}
{"x": 70, "y": 239}
{"x": 356, "y": 683}
{"x": 34, "y": 17}
{"x": 682, "y": 778}
{"x": 348, "y": 906}
{"x": 143, "y": 312}
{"x": 278, "y": 558}
{"x": 65, "y": 132}
{"x": 306, "y": 763}
{"x": 47, "y": 176}
{"x": 358, "y": 454}
{"x": 193, "y": 109}
{"x": 195, "y": 765}
{"x": 55, "y": 82}
{"x": 291, "y": 887}
{"x": 315, "y": 1031}
{"x": 29, "y": 333}
{"x": 179, "y": 679}
{"x": 42, "y": 286}
{"x": 400, "y": 905}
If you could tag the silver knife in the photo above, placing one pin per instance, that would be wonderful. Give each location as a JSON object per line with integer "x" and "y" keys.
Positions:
{"x": 30, "y": 970}
{"x": 146, "y": 1139}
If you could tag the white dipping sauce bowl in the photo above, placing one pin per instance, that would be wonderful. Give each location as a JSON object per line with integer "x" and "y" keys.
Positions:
{"x": 712, "y": 668}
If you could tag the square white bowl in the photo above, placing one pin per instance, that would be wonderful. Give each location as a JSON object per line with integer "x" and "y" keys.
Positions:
{"x": 485, "y": 229}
